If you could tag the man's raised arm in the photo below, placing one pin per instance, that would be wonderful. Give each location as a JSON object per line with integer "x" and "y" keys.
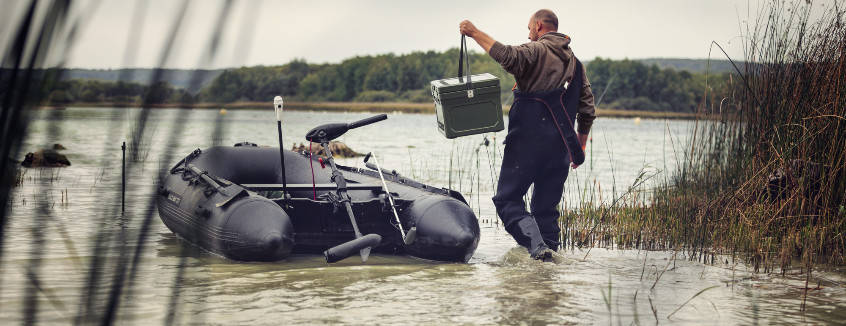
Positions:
{"x": 485, "y": 41}
{"x": 514, "y": 59}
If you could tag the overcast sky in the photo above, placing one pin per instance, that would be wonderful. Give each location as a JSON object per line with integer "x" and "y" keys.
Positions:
{"x": 274, "y": 32}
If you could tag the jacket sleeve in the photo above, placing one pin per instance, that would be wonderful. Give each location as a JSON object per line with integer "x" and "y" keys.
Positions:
{"x": 587, "y": 111}
{"x": 515, "y": 59}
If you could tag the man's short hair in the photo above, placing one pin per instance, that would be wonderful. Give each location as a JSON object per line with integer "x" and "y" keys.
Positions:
{"x": 548, "y": 18}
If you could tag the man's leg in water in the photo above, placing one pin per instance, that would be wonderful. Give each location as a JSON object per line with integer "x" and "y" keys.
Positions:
{"x": 519, "y": 169}
{"x": 549, "y": 186}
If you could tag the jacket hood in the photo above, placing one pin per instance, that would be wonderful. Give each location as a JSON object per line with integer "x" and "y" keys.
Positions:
{"x": 557, "y": 43}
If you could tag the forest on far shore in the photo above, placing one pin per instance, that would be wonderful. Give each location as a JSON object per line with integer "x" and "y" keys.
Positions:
{"x": 622, "y": 84}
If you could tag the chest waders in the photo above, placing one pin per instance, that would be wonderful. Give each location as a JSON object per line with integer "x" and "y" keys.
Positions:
{"x": 539, "y": 147}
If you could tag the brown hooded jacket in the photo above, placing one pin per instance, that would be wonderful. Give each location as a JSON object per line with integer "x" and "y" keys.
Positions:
{"x": 544, "y": 65}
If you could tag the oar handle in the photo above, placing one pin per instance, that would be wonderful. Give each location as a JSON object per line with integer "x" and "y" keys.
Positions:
{"x": 277, "y": 105}
{"x": 413, "y": 231}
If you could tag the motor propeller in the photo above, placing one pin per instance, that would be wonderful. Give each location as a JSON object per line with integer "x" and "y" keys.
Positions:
{"x": 349, "y": 248}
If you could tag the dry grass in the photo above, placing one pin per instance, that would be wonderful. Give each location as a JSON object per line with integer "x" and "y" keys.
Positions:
{"x": 786, "y": 115}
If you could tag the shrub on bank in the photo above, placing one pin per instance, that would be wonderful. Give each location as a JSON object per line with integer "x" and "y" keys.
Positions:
{"x": 376, "y": 96}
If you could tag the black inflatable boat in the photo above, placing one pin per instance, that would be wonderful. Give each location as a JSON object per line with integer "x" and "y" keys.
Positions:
{"x": 232, "y": 201}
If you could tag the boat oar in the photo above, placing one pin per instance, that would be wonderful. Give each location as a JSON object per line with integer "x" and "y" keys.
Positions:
{"x": 277, "y": 105}
{"x": 407, "y": 238}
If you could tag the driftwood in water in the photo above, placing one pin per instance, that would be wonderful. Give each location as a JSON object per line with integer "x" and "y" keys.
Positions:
{"x": 338, "y": 149}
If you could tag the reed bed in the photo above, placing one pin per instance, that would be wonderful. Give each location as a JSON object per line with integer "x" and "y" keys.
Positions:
{"x": 765, "y": 181}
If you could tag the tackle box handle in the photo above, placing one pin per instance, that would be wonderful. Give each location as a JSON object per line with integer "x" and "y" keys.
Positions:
{"x": 464, "y": 57}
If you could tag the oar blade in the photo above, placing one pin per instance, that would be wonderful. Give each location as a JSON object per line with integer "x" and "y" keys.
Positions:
{"x": 410, "y": 236}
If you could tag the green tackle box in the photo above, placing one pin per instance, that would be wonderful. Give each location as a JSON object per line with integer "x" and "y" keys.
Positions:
{"x": 464, "y": 109}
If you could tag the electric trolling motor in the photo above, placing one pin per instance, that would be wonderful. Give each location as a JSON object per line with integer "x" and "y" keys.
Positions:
{"x": 362, "y": 243}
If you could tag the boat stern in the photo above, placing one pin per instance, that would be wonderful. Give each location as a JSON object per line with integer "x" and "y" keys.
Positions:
{"x": 447, "y": 229}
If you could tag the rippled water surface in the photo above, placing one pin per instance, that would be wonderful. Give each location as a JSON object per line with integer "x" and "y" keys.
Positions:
{"x": 65, "y": 221}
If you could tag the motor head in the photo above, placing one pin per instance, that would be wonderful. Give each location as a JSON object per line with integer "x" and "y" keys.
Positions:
{"x": 327, "y": 132}
{"x": 331, "y": 131}
{"x": 277, "y": 105}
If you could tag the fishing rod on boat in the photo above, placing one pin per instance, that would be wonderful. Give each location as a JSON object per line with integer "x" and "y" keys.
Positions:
{"x": 407, "y": 238}
{"x": 362, "y": 243}
{"x": 277, "y": 106}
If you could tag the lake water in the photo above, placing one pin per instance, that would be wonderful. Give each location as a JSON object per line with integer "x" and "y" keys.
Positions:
{"x": 65, "y": 230}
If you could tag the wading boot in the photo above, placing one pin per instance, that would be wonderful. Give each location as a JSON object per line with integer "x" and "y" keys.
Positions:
{"x": 545, "y": 255}
{"x": 528, "y": 235}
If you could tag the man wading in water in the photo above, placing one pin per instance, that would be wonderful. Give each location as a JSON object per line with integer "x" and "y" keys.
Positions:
{"x": 535, "y": 152}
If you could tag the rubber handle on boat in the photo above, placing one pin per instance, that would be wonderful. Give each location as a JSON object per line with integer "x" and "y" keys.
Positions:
{"x": 367, "y": 121}
{"x": 373, "y": 167}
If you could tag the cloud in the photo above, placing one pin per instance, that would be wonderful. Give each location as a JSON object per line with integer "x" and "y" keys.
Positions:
{"x": 275, "y": 32}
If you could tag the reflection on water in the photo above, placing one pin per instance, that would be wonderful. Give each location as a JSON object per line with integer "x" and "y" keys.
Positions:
{"x": 500, "y": 285}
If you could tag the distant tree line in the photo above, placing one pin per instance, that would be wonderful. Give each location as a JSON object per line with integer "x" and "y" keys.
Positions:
{"x": 622, "y": 84}
{"x": 48, "y": 88}
{"x": 95, "y": 91}
{"x": 367, "y": 79}
{"x": 631, "y": 85}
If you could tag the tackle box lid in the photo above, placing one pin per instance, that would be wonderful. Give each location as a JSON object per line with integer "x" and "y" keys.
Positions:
{"x": 454, "y": 85}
